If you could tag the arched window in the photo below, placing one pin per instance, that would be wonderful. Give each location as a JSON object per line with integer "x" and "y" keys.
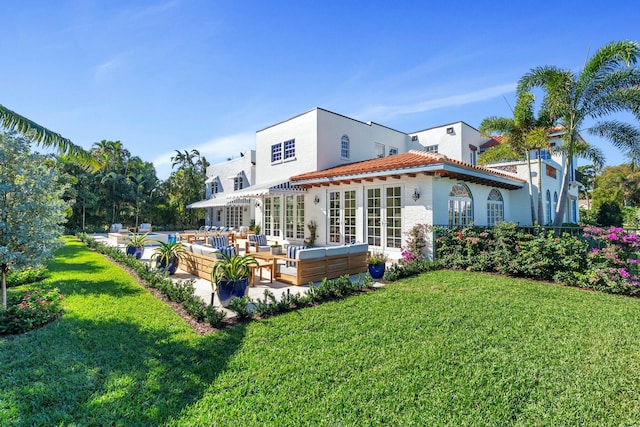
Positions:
{"x": 495, "y": 207}
{"x": 460, "y": 206}
{"x": 555, "y": 205}
{"x": 344, "y": 147}
{"x": 549, "y": 217}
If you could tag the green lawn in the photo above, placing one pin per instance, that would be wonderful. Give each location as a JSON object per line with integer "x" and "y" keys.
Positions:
{"x": 446, "y": 348}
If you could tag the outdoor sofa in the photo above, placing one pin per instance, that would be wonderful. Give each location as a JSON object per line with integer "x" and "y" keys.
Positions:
{"x": 303, "y": 265}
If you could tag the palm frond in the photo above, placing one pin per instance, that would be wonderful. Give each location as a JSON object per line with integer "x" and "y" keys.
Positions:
{"x": 13, "y": 121}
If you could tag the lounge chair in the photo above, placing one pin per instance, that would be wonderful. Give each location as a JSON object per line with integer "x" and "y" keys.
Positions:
{"x": 118, "y": 228}
{"x": 145, "y": 227}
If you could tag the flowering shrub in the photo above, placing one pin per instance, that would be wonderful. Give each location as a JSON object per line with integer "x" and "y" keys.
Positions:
{"x": 612, "y": 262}
{"x": 506, "y": 249}
{"x": 29, "y": 309}
{"x": 416, "y": 242}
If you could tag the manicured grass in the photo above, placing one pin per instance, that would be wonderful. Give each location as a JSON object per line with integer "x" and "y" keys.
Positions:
{"x": 446, "y": 348}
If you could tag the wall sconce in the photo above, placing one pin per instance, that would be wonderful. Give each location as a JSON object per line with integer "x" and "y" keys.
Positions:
{"x": 316, "y": 200}
{"x": 416, "y": 195}
{"x": 257, "y": 205}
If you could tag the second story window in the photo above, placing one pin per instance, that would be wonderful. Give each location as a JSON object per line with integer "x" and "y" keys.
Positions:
{"x": 283, "y": 151}
{"x": 344, "y": 147}
{"x": 214, "y": 187}
{"x": 431, "y": 148}
{"x": 392, "y": 151}
{"x": 276, "y": 153}
{"x": 379, "y": 150}
{"x": 289, "y": 149}
{"x": 238, "y": 182}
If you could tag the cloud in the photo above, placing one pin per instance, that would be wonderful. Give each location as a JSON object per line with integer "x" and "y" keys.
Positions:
{"x": 106, "y": 69}
{"x": 387, "y": 112}
{"x": 216, "y": 150}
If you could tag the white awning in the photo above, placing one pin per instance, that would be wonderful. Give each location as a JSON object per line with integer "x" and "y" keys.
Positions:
{"x": 218, "y": 201}
{"x": 273, "y": 187}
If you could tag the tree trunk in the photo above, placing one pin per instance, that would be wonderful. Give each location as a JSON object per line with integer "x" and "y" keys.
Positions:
{"x": 564, "y": 195}
{"x": 530, "y": 181}
{"x": 540, "y": 208}
{"x": 4, "y": 287}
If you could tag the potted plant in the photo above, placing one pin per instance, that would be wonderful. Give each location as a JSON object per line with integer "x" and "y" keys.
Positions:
{"x": 276, "y": 249}
{"x": 377, "y": 263}
{"x": 167, "y": 256}
{"x": 230, "y": 277}
{"x": 135, "y": 244}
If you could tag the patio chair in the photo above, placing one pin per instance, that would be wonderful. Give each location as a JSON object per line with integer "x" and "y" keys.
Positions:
{"x": 258, "y": 241}
{"x": 117, "y": 228}
{"x": 145, "y": 227}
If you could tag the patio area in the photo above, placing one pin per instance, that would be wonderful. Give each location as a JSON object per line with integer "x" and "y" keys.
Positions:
{"x": 203, "y": 288}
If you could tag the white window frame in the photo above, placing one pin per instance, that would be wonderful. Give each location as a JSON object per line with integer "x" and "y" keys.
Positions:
{"x": 345, "y": 147}
{"x": 460, "y": 206}
{"x": 289, "y": 149}
{"x": 379, "y": 149}
{"x": 495, "y": 207}
{"x": 431, "y": 148}
{"x": 238, "y": 183}
{"x": 393, "y": 150}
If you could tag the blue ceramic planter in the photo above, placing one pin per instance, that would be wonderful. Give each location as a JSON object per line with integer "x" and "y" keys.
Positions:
{"x": 376, "y": 270}
{"x": 132, "y": 250}
{"x": 171, "y": 268}
{"x": 230, "y": 289}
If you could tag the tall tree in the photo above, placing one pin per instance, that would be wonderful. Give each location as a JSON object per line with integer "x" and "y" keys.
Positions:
{"x": 608, "y": 83}
{"x": 515, "y": 131}
{"x": 187, "y": 182}
{"x": 31, "y": 207}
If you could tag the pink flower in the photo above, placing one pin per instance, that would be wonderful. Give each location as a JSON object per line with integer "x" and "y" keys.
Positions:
{"x": 623, "y": 273}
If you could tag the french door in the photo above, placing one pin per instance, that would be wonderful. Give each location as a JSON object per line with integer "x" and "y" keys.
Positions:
{"x": 384, "y": 217}
{"x": 341, "y": 217}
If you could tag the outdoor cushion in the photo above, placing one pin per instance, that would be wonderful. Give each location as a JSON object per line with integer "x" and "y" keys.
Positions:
{"x": 219, "y": 241}
{"x": 337, "y": 250}
{"x": 145, "y": 227}
{"x": 358, "y": 248}
{"x": 260, "y": 239}
{"x": 228, "y": 250}
{"x": 116, "y": 228}
{"x": 311, "y": 253}
{"x": 291, "y": 253}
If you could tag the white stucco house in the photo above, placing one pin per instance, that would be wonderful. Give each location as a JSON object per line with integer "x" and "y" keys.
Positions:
{"x": 365, "y": 182}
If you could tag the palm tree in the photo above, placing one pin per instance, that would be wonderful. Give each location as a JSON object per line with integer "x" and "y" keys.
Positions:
{"x": 12, "y": 121}
{"x": 514, "y": 131}
{"x": 538, "y": 139}
{"x": 607, "y": 84}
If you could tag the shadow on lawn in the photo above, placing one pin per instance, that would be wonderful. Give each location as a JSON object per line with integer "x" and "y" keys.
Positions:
{"x": 71, "y": 258}
{"x": 78, "y": 371}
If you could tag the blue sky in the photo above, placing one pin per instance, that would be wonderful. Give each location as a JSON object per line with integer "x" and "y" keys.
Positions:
{"x": 207, "y": 74}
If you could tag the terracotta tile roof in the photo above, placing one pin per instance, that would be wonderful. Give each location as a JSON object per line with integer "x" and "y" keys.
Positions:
{"x": 414, "y": 161}
{"x": 492, "y": 142}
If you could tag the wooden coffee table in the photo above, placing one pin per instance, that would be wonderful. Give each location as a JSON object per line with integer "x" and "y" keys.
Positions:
{"x": 263, "y": 263}
{"x": 269, "y": 261}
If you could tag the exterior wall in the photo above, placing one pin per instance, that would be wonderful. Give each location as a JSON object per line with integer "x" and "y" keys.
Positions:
{"x": 302, "y": 128}
{"x": 318, "y": 135}
{"x": 362, "y": 139}
{"x": 454, "y": 140}
{"x": 226, "y": 172}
